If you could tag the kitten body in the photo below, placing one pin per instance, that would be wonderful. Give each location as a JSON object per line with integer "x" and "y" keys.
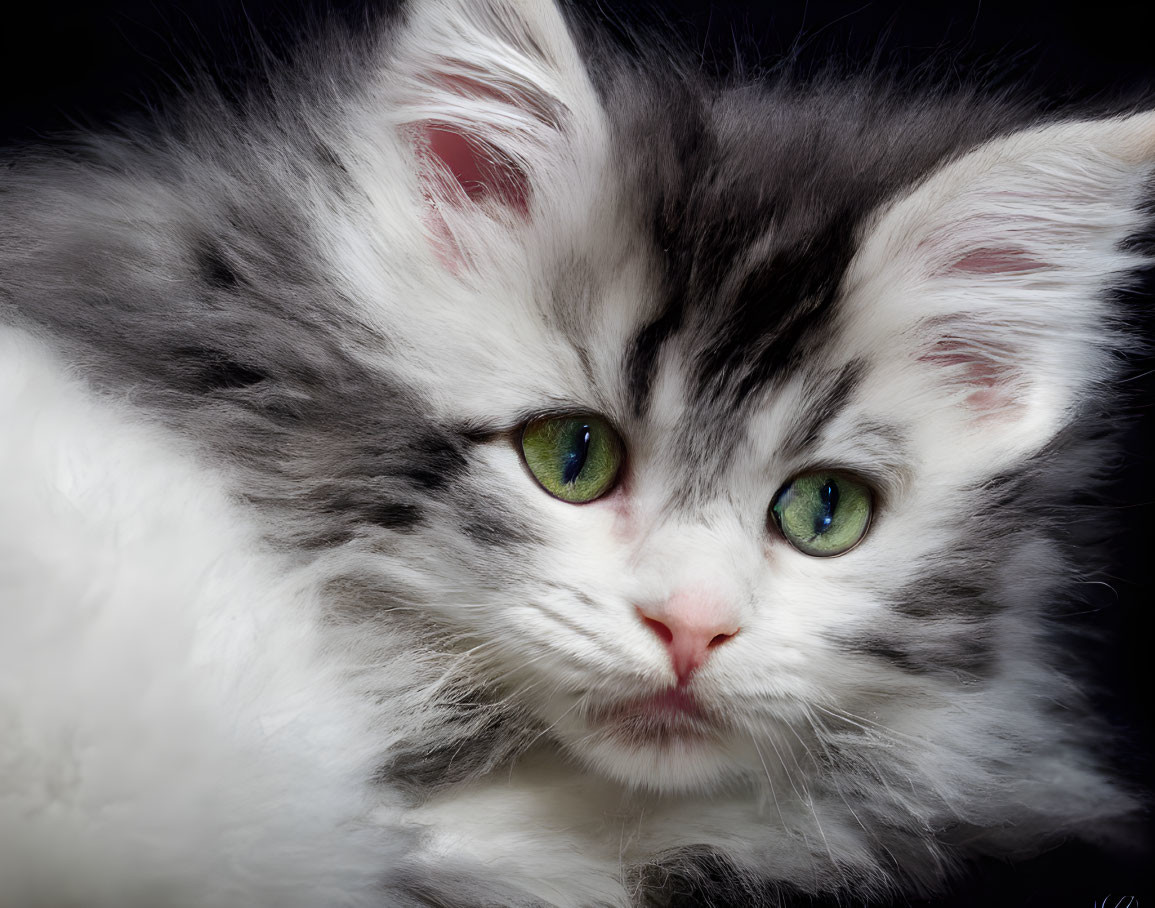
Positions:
{"x": 288, "y": 621}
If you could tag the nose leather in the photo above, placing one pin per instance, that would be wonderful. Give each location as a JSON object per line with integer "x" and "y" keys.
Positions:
{"x": 690, "y": 626}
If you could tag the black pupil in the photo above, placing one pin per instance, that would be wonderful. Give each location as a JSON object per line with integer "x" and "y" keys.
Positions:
{"x": 575, "y": 457}
{"x": 828, "y": 497}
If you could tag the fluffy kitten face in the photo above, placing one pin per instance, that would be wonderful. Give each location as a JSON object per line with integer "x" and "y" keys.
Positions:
{"x": 743, "y": 311}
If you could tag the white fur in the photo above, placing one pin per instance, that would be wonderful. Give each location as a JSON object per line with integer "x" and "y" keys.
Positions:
{"x": 171, "y": 734}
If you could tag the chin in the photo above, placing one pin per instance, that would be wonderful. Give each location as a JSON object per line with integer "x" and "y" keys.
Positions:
{"x": 674, "y": 767}
{"x": 662, "y": 744}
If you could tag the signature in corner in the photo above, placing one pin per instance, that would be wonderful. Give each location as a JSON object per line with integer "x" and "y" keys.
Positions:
{"x": 1125, "y": 901}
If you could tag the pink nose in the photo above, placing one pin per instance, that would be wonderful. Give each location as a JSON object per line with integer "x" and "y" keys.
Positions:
{"x": 690, "y": 628}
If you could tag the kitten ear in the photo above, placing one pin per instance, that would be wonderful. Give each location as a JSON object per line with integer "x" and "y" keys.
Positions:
{"x": 986, "y": 290}
{"x": 492, "y": 96}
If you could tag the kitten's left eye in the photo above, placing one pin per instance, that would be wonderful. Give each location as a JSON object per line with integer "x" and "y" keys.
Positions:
{"x": 823, "y": 513}
{"x": 575, "y": 458}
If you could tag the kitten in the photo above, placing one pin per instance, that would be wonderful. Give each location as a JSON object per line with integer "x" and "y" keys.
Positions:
{"x": 490, "y": 468}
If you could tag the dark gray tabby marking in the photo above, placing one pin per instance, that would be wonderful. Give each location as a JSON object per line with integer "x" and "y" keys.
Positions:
{"x": 464, "y": 887}
{"x": 833, "y": 394}
{"x": 754, "y": 225}
{"x": 701, "y": 875}
{"x": 964, "y": 653}
{"x": 211, "y": 370}
{"x": 215, "y": 267}
{"x": 665, "y": 211}
{"x": 473, "y": 738}
{"x": 952, "y": 594}
{"x": 494, "y": 527}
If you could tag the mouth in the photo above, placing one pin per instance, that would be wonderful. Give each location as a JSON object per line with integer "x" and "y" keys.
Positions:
{"x": 665, "y": 718}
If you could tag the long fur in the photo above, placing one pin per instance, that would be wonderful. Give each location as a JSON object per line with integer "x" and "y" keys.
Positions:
{"x": 285, "y": 619}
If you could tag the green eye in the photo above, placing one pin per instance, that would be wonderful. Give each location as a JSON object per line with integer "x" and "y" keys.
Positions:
{"x": 823, "y": 513}
{"x": 575, "y": 458}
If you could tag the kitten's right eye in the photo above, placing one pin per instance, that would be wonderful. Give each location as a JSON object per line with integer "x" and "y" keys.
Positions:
{"x": 574, "y": 458}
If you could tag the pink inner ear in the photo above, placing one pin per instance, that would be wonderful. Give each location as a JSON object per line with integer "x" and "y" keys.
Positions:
{"x": 988, "y": 377}
{"x": 480, "y": 170}
{"x": 997, "y": 261}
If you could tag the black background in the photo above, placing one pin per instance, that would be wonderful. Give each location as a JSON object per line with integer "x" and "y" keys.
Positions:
{"x": 86, "y": 64}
